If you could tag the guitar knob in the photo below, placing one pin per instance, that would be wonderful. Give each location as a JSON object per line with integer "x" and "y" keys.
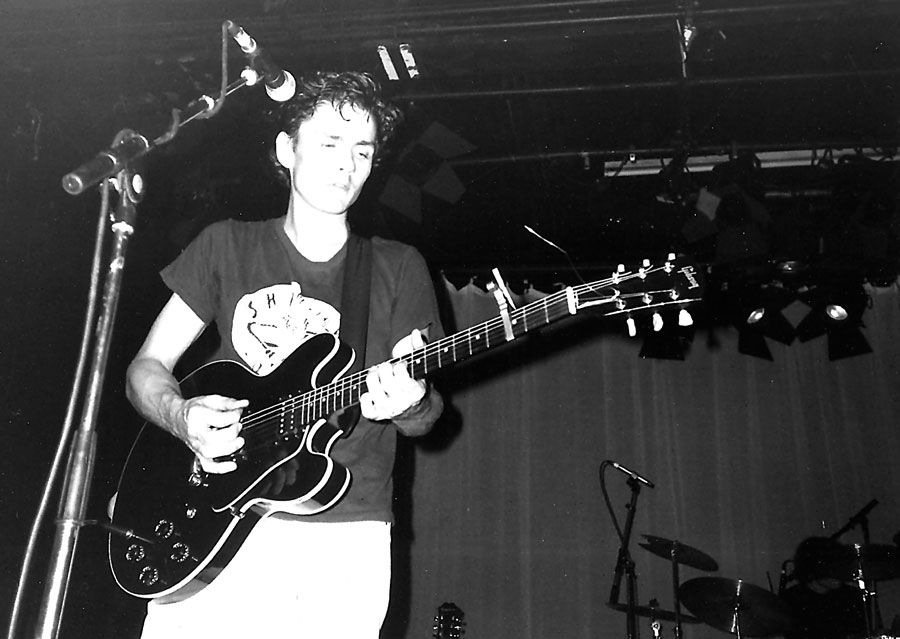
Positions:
{"x": 180, "y": 552}
{"x": 149, "y": 576}
{"x": 135, "y": 552}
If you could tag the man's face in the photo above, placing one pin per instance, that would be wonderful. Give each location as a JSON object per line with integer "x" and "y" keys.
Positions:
{"x": 330, "y": 159}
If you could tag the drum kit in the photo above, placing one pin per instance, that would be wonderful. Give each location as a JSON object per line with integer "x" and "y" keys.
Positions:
{"x": 744, "y": 609}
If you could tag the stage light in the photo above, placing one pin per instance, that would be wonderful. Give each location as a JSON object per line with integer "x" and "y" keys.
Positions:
{"x": 836, "y": 310}
{"x": 756, "y": 312}
{"x": 756, "y": 315}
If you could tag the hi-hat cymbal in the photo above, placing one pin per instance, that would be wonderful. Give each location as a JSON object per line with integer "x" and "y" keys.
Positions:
{"x": 715, "y": 599}
{"x": 880, "y": 562}
{"x": 654, "y": 613}
{"x": 682, "y": 554}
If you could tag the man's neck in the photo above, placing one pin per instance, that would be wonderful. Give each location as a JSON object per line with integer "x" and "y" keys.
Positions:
{"x": 317, "y": 236}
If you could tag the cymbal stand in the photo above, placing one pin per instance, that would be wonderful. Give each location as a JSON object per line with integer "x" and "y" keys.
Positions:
{"x": 625, "y": 566}
{"x": 868, "y": 590}
{"x": 673, "y": 554}
{"x": 736, "y": 614}
{"x": 870, "y": 603}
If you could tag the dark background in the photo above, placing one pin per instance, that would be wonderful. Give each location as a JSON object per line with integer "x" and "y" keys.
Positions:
{"x": 578, "y": 119}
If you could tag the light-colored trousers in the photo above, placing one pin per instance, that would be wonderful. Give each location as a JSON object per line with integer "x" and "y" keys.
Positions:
{"x": 290, "y": 579}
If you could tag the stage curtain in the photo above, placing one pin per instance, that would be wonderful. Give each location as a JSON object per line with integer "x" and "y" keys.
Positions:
{"x": 500, "y": 509}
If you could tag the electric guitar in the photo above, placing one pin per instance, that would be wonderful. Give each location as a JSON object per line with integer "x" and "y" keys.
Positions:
{"x": 448, "y": 622}
{"x": 176, "y": 524}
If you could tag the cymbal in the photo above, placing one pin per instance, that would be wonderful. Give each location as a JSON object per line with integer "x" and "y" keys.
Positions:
{"x": 713, "y": 599}
{"x": 880, "y": 562}
{"x": 654, "y": 613}
{"x": 683, "y": 554}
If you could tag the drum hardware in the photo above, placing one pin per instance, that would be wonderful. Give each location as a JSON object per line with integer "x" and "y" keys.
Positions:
{"x": 678, "y": 553}
{"x": 870, "y": 563}
{"x": 736, "y": 607}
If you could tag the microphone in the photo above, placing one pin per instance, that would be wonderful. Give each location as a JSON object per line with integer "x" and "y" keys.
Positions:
{"x": 280, "y": 84}
{"x": 633, "y": 474}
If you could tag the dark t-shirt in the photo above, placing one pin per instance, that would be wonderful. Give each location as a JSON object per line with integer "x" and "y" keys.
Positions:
{"x": 266, "y": 300}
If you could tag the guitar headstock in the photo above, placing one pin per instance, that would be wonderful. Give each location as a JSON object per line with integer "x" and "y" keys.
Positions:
{"x": 675, "y": 281}
{"x": 449, "y": 622}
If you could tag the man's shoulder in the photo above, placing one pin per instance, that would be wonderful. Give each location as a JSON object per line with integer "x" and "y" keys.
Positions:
{"x": 231, "y": 230}
{"x": 393, "y": 249}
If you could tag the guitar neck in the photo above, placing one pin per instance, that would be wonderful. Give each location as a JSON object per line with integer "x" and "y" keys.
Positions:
{"x": 455, "y": 348}
{"x": 644, "y": 289}
{"x": 481, "y": 337}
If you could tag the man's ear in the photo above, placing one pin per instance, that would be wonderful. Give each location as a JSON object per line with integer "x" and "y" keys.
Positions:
{"x": 284, "y": 150}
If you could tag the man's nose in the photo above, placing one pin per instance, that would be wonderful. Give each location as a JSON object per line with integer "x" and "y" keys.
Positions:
{"x": 346, "y": 161}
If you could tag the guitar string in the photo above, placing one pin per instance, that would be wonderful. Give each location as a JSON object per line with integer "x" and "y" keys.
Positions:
{"x": 313, "y": 404}
{"x": 265, "y": 423}
{"x": 263, "y": 426}
{"x": 346, "y": 384}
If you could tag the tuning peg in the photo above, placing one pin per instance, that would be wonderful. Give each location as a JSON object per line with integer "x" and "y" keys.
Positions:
{"x": 632, "y": 328}
{"x": 668, "y": 267}
{"x": 657, "y": 322}
{"x": 684, "y": 318}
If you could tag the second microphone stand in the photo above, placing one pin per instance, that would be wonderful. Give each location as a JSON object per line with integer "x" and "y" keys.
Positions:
{"x": 625, "y": 567}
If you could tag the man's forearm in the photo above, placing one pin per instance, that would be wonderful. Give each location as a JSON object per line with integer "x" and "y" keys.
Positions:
{"x": 154, "y": 393}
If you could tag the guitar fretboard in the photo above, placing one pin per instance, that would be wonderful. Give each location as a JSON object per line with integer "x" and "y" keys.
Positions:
{"x": 646, "y": 288}
{"x": 449, "y": 350}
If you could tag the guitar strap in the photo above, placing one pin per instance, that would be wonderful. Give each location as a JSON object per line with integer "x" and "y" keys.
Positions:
{"x": 355, "y": 295}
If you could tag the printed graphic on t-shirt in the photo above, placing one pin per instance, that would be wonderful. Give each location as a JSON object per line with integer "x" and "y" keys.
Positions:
{"x": 269, "y": 324}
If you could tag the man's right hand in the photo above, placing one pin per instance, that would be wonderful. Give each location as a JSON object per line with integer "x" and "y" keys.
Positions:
{"x": 210, "y": 425}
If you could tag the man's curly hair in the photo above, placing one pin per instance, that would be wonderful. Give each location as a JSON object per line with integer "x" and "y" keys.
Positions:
{"x": 356, "y": 89}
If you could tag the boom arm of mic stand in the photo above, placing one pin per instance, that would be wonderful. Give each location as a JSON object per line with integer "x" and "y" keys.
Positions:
{"x": 125, "y": 152}
{"x": 860, "y": 518}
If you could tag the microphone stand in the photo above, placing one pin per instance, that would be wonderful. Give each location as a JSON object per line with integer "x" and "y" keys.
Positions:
{"x": 625, "y": 567}
{"x": 73, "y": 501}
{"x": 117, "y": 160}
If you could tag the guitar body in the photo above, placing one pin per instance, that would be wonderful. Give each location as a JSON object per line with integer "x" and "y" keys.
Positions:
{"x": 184, "y": 524}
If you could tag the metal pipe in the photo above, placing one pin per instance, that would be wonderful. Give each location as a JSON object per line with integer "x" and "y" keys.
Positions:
{"x": 652, "y": 84}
